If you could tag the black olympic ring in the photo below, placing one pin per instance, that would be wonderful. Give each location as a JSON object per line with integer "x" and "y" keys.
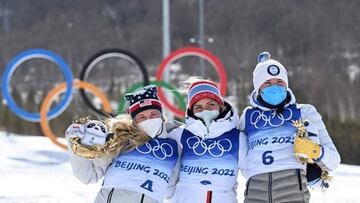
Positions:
{"x": 108, "y": 53}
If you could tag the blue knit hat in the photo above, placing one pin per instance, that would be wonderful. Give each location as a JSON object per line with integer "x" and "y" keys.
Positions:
{"x": 204, "y": 89}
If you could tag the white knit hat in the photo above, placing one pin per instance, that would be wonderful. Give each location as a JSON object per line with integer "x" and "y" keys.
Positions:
{"x": 267, "y": 69}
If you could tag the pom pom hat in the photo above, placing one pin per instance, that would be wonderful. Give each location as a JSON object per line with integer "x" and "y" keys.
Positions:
{"x": 143, "y": 100}
{"x": 204, "y": 89}
{"x": 267, "y": 69}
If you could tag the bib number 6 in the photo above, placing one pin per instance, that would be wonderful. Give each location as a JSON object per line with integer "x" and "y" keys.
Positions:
{"x": 267, "y": 159}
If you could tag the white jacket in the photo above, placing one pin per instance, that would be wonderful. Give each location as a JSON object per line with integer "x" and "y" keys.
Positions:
{"x": 330, "y": 158}
{"x": 209, "y": 169}
{"x": 93, "y": 170}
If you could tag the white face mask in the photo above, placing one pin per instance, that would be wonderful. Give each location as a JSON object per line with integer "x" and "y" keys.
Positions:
{"x": 207, "y": 116}
{"x": 152, "y": 127}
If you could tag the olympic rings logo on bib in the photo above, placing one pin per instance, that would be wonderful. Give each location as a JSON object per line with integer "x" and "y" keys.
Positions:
{"x": 261, "y": 119}
{"x": 160, "y": 151}
{"x": 215, "y": 149}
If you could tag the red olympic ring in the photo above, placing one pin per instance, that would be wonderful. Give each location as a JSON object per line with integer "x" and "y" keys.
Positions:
{"x": 190, "y": 51}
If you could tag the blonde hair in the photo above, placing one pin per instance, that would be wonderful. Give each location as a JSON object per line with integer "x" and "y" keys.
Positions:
{"x": 126, "y": 133}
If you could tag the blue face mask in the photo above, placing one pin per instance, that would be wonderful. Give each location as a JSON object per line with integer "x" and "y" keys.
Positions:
{"x": 273, "y": 94}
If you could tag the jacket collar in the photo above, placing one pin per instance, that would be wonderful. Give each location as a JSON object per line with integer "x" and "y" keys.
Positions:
{"x": 216, "y": 128}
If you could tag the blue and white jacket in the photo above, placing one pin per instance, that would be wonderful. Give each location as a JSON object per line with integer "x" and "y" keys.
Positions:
{"x": 210, "y": 160}
{"x": 270, "y": 137}
{"x": 147, "y": 170}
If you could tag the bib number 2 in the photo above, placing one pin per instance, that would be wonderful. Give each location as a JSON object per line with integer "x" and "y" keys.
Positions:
{"x": 267, "y": 159}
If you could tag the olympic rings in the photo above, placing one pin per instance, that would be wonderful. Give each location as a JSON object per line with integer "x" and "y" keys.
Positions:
{"x": 56, "y": 91}
{"x": 179, "y": 97}
{"x": 102, "y": 55}
{"x": 16, "y": 62}
{"x": 160, "y": 151}
{"x": 260, "y": 119}
{"x": 216, "y": 148}
{"x": 186, "y": 51}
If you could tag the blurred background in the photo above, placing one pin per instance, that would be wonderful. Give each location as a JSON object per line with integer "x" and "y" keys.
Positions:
{"x": 317, "y": 41}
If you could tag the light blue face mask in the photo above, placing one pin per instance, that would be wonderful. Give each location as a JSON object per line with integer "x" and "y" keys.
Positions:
{"x": 273, "y": 94}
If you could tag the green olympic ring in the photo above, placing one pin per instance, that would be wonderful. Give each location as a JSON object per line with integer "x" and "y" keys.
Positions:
{"x": 179, "y": 97}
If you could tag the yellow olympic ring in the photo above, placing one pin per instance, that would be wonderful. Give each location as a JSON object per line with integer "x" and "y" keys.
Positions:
{"x": 56, "y": 91}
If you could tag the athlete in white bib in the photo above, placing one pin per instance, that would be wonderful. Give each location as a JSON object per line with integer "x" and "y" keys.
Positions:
{"x": 274, "y": 173}
{"x": 211, "y": 147}
{"x": 144, "y": 174}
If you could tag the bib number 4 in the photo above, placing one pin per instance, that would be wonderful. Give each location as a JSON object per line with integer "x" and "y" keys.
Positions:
{"x": 267, "y": 159}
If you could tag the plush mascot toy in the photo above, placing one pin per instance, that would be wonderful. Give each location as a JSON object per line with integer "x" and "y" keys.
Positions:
{"x": 95, "y": 139}
{"x": 307, "y": 150}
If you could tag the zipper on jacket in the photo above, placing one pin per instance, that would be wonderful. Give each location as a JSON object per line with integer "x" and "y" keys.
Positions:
{"x": 142, "y": 198}
{"x": 110, "y": 196}
{"x": 299, "y": 179}
{"x": 270, "y": 187}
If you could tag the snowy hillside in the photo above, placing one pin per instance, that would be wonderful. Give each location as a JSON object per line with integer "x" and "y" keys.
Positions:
{"x": 32, "y": 169}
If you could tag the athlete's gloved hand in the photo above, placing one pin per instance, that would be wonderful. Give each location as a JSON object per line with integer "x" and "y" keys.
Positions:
{"x": 316, "y": 177}
{"x": 91, "y": 133}
{"x": 75, "y": 130}
{"x": 311, "y": 131}
{"x": 307, "y": 147}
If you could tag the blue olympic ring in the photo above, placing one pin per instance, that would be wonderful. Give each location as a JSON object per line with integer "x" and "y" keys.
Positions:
{"x": 30, "y": 54}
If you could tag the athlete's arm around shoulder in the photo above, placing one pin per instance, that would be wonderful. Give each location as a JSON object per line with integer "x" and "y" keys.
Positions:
{"x": 243, "y": 149}
{"x": 330, "y": 157}
{"x": 174, "y": 129}
{"x": 242, "y": 123}
{"x": 176, "y": 133}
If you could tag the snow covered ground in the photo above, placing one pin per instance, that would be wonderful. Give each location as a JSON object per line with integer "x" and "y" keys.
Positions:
{"x": 32, "y": 169}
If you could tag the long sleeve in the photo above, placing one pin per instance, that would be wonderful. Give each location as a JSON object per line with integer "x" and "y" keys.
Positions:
{"x": 176, "y": 135}
{"x": 330, "y": 157}
{"x": 241, "y": 125}
{"x": 174, "y": 178}
{"x": 243, "y": 148}
{"x": 88, "y": 170}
